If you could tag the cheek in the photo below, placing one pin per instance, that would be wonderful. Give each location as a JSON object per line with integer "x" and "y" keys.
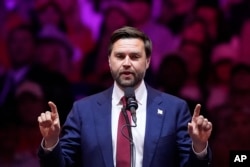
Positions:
{"x": 113, "y": 65}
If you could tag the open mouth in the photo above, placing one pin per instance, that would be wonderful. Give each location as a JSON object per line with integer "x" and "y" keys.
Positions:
{"x": 126, "y": 74}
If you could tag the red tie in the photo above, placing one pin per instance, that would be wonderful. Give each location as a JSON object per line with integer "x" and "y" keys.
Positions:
{"x": 123, "y": 144}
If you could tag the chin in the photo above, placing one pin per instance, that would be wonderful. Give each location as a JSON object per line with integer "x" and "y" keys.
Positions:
{"x": 126, "y": 83}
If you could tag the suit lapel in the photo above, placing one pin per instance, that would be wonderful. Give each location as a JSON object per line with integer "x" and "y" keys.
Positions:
{"x": 154, "y": 120}
{"x": 102, "y": 116}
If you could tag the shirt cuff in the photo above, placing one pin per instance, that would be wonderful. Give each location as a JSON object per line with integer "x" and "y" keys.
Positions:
{"x": 49, "y": 149}
{"x": 201, "y": 154}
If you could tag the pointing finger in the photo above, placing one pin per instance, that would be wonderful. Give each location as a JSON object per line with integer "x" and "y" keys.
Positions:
{"x": 53, "y": 107}
{"x": 197, "y": 111}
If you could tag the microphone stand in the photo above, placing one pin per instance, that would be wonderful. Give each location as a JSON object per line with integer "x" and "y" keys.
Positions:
{"x": 130, "y": 137}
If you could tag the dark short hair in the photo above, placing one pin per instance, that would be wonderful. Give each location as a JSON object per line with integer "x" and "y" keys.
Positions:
{"x": 130, "y": 32}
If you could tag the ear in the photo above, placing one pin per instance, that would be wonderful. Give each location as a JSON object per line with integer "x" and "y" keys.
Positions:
{"x": 148, "y": 62}
{"x": 109, "y": 60}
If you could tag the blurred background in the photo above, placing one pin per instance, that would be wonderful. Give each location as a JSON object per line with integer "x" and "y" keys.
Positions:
{"x": 57, "y": 50}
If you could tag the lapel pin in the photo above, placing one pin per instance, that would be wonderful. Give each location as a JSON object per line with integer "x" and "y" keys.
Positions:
{"x": 159, "y": 112}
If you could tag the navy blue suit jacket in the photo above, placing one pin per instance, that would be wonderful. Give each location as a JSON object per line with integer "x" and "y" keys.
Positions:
{"x": 86, "y": 135}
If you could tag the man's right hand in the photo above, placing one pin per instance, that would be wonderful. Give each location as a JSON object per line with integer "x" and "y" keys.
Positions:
{"x": 49, "y": 125}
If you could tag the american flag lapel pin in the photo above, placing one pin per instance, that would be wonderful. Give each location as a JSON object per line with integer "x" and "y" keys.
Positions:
{"x": 160, "y": 112}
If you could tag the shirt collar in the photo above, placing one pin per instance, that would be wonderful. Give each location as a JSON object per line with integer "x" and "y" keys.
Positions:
{"x": 118, "y": 93}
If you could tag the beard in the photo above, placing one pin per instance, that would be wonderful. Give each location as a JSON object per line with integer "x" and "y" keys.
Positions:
{"x": 133, "y": 80}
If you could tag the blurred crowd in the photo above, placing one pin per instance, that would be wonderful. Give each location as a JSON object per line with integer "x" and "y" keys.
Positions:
{"x": 57, "y": 50}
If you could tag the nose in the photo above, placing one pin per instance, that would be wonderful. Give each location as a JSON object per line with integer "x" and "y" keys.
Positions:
{"x": 127, "y": 61}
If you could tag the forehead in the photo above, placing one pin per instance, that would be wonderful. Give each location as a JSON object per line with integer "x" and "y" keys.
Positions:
{"x": 128, "y": 44}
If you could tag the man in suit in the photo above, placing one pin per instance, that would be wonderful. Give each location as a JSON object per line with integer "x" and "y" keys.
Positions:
{"x": 165, "y": 133}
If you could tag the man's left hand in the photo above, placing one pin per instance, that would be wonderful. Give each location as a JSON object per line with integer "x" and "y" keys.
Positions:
{"x": 199, "y": 130}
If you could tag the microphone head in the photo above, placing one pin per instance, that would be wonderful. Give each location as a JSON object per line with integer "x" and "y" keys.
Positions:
{"x": 129, "y": 93}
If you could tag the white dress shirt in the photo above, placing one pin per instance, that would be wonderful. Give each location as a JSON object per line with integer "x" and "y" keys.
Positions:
{"x": 138, "y": 132}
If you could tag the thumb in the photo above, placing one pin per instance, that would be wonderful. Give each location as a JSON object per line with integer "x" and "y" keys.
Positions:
{"x": 56, "y": 126}
{"x": 190, "y": 128}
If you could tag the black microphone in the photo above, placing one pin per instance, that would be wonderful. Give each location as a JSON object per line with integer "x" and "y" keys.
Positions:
{"x": 131, "y": 102}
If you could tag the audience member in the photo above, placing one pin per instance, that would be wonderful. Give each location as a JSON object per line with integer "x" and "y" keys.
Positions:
{"x": 30, "y": 102}
{"x": 180, "y": 10}
{"x": 232, "y": 134}
{"x": 223, "y": 58}
{"x": 213, "y": 17}
{"x": 194, "y": 89}
{"x": 48, "y": 13}
{"x": 53, "y": 46}
{"x": 195, "y": 29}
{"x": 8, "y": 143}
{"x": 218, "y": 86}
{"x": 21, "y": 51}
{"x": 172, "y": 74}
{"x": 78, "y": 34}
{"x": 244, "y": 40}
{"x": 21, "y": 48}
{"x": 239, "y": 95}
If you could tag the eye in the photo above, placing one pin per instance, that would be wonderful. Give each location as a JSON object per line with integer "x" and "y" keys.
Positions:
{"x": 119, "y": 56}
{"x": 134, "y": 56}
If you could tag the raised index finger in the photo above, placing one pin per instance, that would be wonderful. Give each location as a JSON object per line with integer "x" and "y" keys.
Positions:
{"x": 197, "y": 111}
{"x": 53, "y": 107}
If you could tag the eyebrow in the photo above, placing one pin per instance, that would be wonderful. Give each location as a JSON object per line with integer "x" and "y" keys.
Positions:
{"x": 133, "y": 52}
